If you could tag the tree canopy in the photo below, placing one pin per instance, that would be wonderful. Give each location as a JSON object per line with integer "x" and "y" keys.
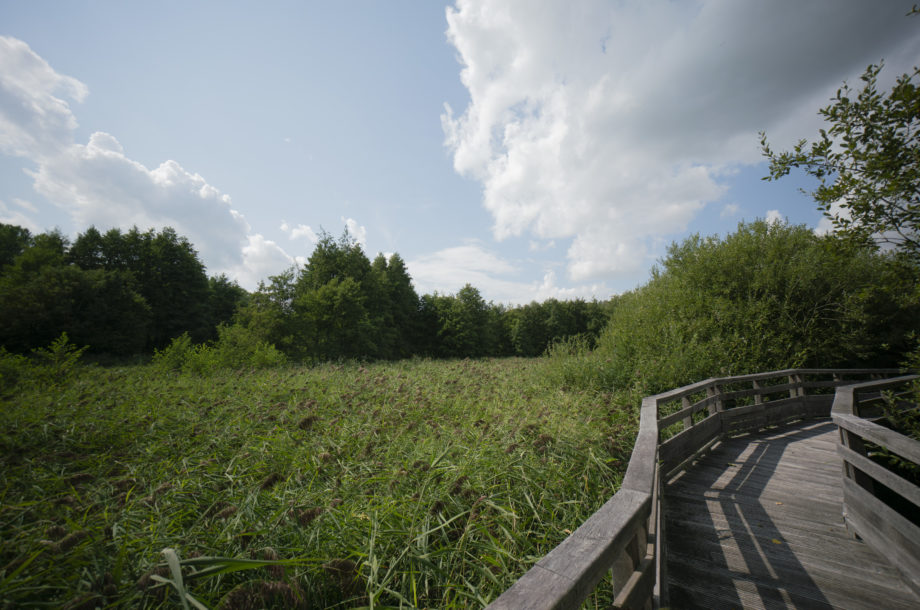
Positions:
{"x": 867, "y": 162}
{"x": 768, "y": 296}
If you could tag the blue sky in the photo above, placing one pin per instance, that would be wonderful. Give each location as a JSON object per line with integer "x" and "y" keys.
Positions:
{"x": 535, "y": 150}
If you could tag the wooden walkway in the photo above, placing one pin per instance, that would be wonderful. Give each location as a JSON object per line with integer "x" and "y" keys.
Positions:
{"x": 756, "y": 523}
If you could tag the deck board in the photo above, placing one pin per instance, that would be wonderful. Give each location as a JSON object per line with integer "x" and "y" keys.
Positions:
{"x": 757, "y": 523}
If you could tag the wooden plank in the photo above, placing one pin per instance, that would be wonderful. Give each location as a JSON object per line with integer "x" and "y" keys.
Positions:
{"x": 660, "y": 589}
{"x": 894, "y": 441}
{"x": 570, "y": 572}
{"x": 846, "y": 398}
{"x": 881, "y": 474}
{"x": 675, "y": 417}
{"x": 763, "y": 390}
{"x": 643, "y": 462}
{"x": 774, "y": 413}
{"x": 782, "y": 486}
{"x": 684, "y": 444}
{"x": 638, "y": 589}
{"x": 885, "y": 530}
{"x": 729, "y": 589}
{"x": 782, "y": 568}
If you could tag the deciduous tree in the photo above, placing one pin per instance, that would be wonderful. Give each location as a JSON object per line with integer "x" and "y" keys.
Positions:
{"x": 867, "y": 162}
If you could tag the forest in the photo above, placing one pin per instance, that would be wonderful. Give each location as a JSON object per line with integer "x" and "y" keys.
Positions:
{"x": 130, "y": 293}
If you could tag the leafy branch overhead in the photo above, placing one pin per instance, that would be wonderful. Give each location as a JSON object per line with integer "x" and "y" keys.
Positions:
{"x": 867, "y": 162}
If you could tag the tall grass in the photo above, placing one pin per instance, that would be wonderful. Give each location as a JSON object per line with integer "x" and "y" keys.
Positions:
{"x": 408, "y": 484}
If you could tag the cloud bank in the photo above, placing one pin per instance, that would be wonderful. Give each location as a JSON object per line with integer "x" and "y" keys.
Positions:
{"x": 615, "y": 124}
{"x": 98, "y": 184}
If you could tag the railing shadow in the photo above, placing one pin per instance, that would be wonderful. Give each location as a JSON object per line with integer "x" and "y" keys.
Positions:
{"x": 725, "y": 550}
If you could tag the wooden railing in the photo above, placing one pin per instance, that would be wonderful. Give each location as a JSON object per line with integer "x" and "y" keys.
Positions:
{"x": 626, "y": 537}
{"x": 880, "y": 505}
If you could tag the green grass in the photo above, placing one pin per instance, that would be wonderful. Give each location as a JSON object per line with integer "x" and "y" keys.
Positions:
{"x": 411, "y": 484}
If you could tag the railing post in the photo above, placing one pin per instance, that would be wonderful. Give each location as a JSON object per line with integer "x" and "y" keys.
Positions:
{"x": 661, "y": 547}
{"x": 758, "y": 397}
{"x": 684, "y": 403}
{"x": 855, "y": 443}
{"x": 716, "y": 405}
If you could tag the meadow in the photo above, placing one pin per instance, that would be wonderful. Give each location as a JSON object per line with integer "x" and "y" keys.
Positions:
{"x": 417, "y": 483}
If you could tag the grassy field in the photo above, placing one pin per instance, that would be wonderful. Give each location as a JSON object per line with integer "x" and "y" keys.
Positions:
{"x": 410, "y": 484}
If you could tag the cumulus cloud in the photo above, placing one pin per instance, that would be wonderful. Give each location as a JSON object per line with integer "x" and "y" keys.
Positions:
{"x": 774, "y": 216}
{"x": 299, "y": 232}
{"x": 616, "y": 123}
{"x": 448, "y": 270}
{"x": 260, "y": 259}
{"x": 34, "y": 120}
{"x": 97, "y": 183}
{"x": 357, "y": 231}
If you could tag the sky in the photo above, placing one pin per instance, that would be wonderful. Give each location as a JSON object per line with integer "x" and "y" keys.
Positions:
{"x": 532, "y": 149}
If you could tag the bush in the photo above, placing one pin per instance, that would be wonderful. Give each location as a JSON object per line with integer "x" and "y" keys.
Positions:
{"x": 769, "y": 296}
{"x": 237, "y": 347}
{"x": 13, "y": 367}
{"x": 573, "y": 364}
{"x": 59, "y": 361}
{"x": 174, "y": 356}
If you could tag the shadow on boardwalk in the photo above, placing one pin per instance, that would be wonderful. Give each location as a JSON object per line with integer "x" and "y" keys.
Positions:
{"x": 757, "y": 523}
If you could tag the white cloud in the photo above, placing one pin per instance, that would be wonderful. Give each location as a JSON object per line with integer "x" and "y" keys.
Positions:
{"x": 355, "y": 230}
{"x": 729, "y": 210}
{"x": 34, "y": 121}
{"x": 448, "y": 270}
{"x": 299, "y": 231}
{"x": 25, "y": 205}
{"x": 825, "y": 226}
{"x": 12, "y": 216}
{"x": 538, "y": 246}
{"x": 98, "y": 184}
{"x": 615, "y": 123}
{"x": 260, "y": 258}
{"x": 774, "y": 216}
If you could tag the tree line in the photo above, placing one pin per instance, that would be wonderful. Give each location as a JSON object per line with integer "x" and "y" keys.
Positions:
{"x": 119, "y": 292}
{"x": 769, "y": 296}
{"x": 125, "y": 293}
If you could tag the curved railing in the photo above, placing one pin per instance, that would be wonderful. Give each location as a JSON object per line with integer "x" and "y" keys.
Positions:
{"x": 626, "y": 535}
{"x": 880, "y": 503}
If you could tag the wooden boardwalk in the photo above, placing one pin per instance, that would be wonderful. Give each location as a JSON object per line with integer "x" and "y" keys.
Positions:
{"x": 756, "y": 523}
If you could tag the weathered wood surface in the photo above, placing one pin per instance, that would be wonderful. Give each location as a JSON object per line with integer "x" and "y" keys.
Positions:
{"x": 757, "y": 523}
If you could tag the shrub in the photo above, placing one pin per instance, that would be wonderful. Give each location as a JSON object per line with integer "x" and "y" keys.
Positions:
{"x": 13, "y": 367}
{"x": 174, "y": 356}
{"x": 769, "y": 296}
{"x": 58, "y": 361}
{"x": 237, "y": 347}
{"x": 573, "y": 364}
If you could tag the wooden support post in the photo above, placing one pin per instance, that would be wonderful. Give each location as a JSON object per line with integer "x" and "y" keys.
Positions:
{"x": 855, "y": 443}
{"x": 716, "y": 405}
{"x": 758, "y": 397}
{"x": 661, "y": 546}
{"x": 684, "y": 403}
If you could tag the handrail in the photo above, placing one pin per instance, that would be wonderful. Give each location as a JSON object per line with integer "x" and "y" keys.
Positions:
{"x": 879, "y": 504}
{"x": 626, "y": 535}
